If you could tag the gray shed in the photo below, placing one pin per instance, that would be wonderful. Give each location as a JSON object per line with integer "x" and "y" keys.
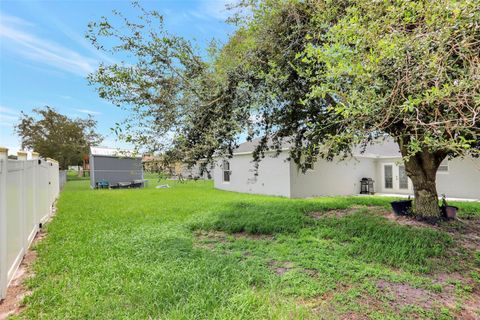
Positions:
{"x": 114, "y": 166}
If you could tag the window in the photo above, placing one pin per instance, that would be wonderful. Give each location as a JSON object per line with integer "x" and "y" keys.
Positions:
{"x": 388, "y": 175}
{"x": 403, "y": 178}
{"x": 226, "y": 171}
{"x": 443, "y": 167}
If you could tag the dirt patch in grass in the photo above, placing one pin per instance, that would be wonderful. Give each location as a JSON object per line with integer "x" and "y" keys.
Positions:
{"x": 470, "y": 308}
{"x": 402, "y": 295}
{"x": 407, "y": 221}
{"x": 222, "y": 236}
{"x": 327, "y": 307}
{"x": 470, "y": 304}
{"x": 252, "y": 236}
{"x": 280, "y": 267}
{"x": 467, "y": 233}
{"x": 337, "y": 213}
{"x": 211, "y": 239}
{"x": 392, "y": 298}
{"x": 448, "y": 278}
{"x": 17, "y": 291}
{"x": 328, "y": 214}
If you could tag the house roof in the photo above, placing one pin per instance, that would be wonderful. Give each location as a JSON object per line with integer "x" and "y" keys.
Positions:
{"x": 249, "y": 146}
{"x": 111, "y": 152}
{"x": 385, "y": 148}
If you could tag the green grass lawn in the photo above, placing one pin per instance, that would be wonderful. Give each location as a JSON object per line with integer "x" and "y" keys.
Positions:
{"x": 73, "y": 176}
{"x": 193, "y": 252}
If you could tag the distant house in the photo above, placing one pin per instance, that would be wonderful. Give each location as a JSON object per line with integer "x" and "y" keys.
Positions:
{"x": 457, "y": 178}
{"x": 151, "y": 163}
{"x": 114, "y": 166}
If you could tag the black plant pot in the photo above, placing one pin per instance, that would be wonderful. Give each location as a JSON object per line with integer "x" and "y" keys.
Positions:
{"x": 449, "y": 212}
{"x": 402, "y": 208}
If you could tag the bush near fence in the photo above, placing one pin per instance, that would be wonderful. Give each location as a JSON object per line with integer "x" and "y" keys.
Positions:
{"x": 28, "y": 189}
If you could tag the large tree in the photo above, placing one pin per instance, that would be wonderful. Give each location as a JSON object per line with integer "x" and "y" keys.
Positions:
{"x": 56, "y": 136}
{"x": 325, "y": 75}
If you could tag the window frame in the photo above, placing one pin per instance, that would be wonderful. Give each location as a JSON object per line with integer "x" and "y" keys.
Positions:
{"x": 404, "y": 187}
{"x": 444, "y": 164}
{"x": 227, "y": 172}
{"x": 384, "y": 182}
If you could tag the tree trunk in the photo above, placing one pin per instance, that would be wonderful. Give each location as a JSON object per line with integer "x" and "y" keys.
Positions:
{"x": 422, "y": 169}
{"x": 425, "y": 191}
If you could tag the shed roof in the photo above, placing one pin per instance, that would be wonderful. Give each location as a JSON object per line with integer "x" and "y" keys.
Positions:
{"x": 112, "y": 152}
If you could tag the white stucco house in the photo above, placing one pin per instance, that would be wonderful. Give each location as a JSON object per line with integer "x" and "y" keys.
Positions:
{"x": 457, "y": 178}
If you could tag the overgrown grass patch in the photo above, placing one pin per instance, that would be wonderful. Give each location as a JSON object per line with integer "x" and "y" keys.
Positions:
{"x": 376, "y": 239}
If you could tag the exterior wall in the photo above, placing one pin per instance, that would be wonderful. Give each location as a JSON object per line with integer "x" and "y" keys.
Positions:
{"x": 273, "y": 177}
{"x": 114, "y": 170}
{"x": 331, "y": 178}
{"x": 462, "y": 179}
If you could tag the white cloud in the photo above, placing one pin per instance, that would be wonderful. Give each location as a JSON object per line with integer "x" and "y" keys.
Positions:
{"x": 87, "y": 111}
{"x": 5, "y": 124}
{"x": 116, "y": 144}
{"x": 6, "y": 118}
{"x": 72, "y": 34}
{"x": 216, "y": 8}
{"x": 8, "y": 110}
{"x": 35, "y": 48}
{"x": 15, "y": 20}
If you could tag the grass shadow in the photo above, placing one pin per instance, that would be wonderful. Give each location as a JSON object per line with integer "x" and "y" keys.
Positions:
{"x": 359, "y": 234}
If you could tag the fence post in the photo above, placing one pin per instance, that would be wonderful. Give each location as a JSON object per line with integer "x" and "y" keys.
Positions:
{"x": 3, "y": 221}
{"x": 36, "y": 209}
{"x": 22, "y": 156}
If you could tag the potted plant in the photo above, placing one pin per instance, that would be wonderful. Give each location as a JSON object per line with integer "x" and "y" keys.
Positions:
{"x": 449, "y": 212}
{"x": 402, "y": 207}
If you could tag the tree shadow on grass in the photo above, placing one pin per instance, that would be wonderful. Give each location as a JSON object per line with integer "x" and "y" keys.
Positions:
{"x": 373, "y": 238}
{"x": 360, "y": 233}
{"x": 255, "y": 218}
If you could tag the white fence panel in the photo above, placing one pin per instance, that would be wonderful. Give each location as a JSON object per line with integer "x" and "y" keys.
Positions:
{"x": 28, "y": 190}
{"x": 14, "y": 216}
{"x": 29, "y": 181}
{"x": 43, "y": 192}
{"x": 53, "y": 176}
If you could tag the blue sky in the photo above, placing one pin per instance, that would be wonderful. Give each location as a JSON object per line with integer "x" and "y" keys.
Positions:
{"x": 44, "y": 57}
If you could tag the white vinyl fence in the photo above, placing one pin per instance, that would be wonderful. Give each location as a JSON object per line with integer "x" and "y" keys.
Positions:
{"x": 28, "y": 189}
